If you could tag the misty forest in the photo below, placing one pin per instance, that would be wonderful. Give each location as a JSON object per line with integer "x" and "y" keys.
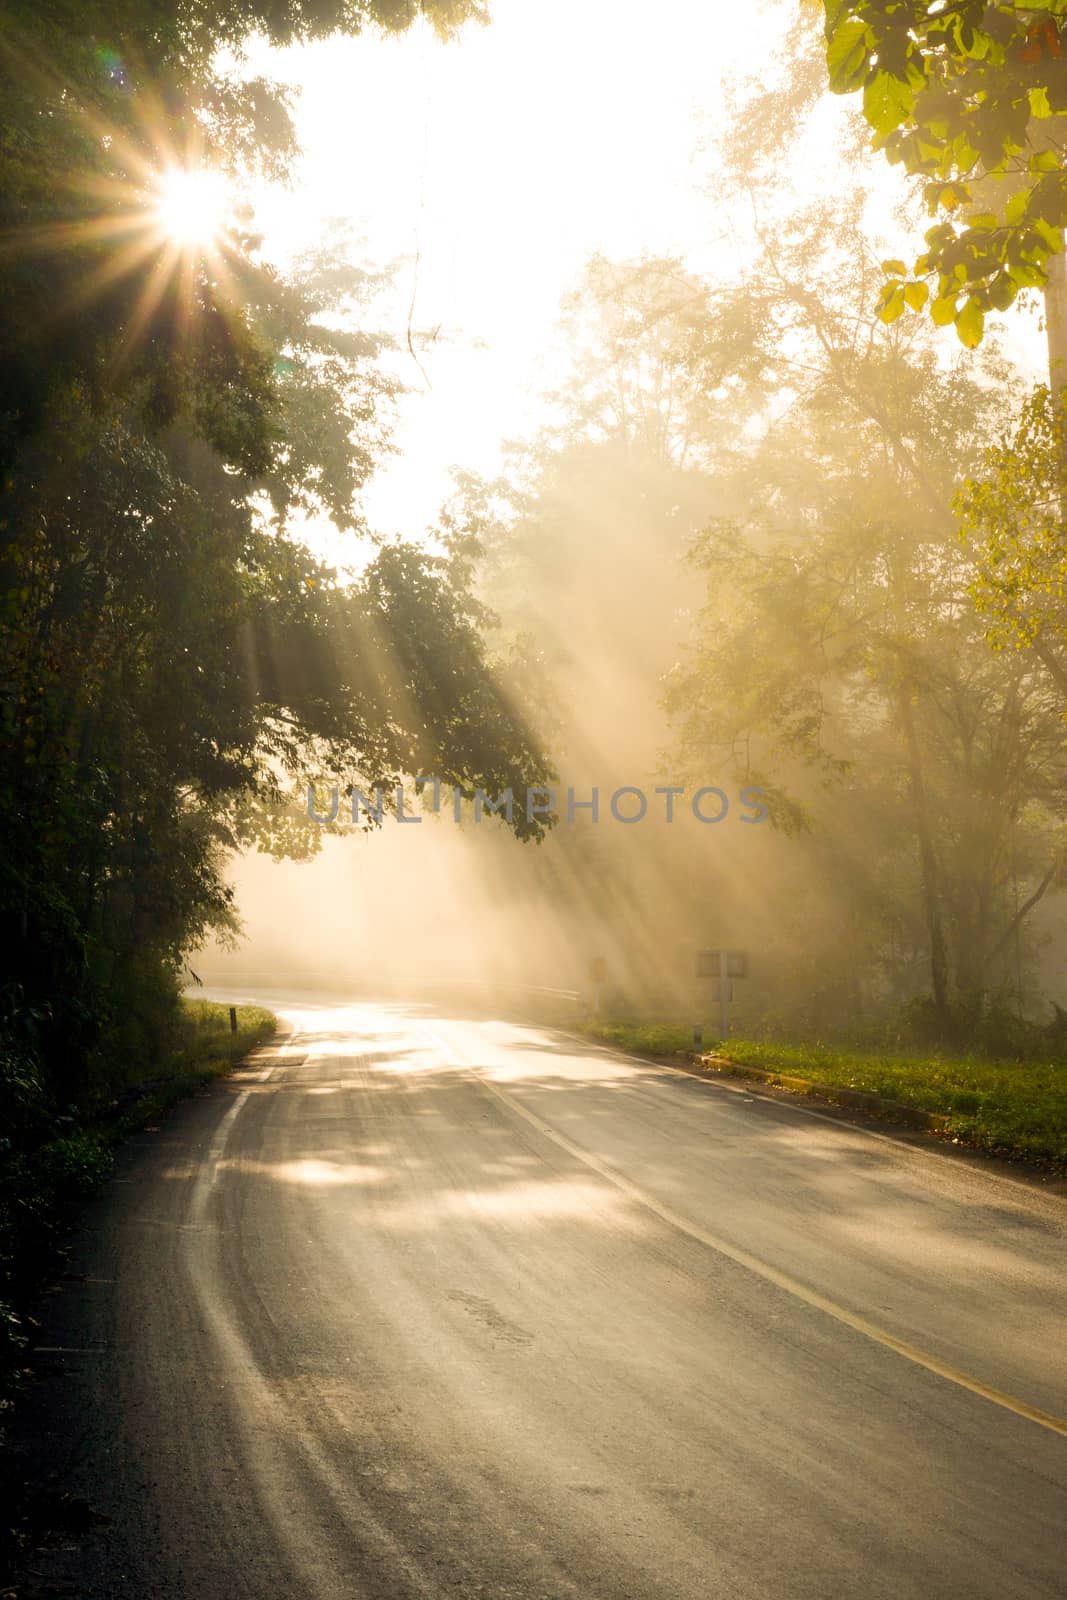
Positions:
{"x": 600, "y": 571}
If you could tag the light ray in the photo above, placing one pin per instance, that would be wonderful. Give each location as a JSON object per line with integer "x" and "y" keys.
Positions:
{"x": 191, "y": 207}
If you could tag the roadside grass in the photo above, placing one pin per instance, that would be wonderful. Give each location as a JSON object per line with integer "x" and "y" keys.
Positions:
{"x": 1016, "y": 1109}
{"x": 205, "y": 1048}
{"x": 644, "y": 1038}
{"x": 40, "y": 1187}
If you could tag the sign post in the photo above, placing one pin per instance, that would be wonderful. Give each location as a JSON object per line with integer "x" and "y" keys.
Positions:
{"x": 598, "y": 971}
{"x": 721, "y": 966}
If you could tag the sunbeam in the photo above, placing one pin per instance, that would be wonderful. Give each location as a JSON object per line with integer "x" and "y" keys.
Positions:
{"x": 191, "y": 208}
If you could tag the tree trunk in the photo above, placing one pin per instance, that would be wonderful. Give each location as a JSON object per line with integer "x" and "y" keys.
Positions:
{"x": 1056, "y": 322}
{"x": 927, "y": 859}
{"x": 1056, "y": 337}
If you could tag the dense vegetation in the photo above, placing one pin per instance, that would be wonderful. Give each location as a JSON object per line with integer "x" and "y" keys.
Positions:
{"x": 836, "y": 542}
{"x": 172, "y": 655}
{"x": 970, "y": 97}
{"x": 776, "y": 532}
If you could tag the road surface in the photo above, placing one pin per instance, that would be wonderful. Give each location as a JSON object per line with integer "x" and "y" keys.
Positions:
{"x": 424, "y": 1304}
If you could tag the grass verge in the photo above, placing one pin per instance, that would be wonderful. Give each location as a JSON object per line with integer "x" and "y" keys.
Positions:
{"x": 1016, "y": 1109}
{"x": 39, "y": 1192}
{"x": 39, "y": 1188}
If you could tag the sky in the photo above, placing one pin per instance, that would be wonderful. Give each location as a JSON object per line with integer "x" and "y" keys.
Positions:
{"x": 504, "y": 160}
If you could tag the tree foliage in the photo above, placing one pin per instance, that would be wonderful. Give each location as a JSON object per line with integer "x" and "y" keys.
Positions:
{"x": 839, "y": 662}
{"x": 172, "y": 654}
{"x": 1012, "y": 513}
{"x": 95, "y": 102}
{"x": 820, "y": 641}
{"x": 959, "y": 92}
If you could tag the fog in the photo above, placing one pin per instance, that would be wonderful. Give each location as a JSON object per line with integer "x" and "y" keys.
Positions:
{"x": 710, "y": 563}
{"x": 533, "y": 558}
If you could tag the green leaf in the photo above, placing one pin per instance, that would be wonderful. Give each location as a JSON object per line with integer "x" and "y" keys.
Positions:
{"x": 944, "y": 233}
{"x": 1026, "y": 275}
{"x": 916, "y": 295}
{"x": 1039, "y": 105}
{"x": 846, "y": 55}
{"x": 970, "y": 324}
{"x": 1051, "y": 236}
{"x": 943, "y": 310}
{"x": 1044, "y": 161}
{"x": 1002, "y": 292}
{"x": 978, "y": 46}
{"x": 1015, "y": 210}
{"x": 887, "y": 102}
{"x": 894, "y": 269}
{"x": 891, "y": 304}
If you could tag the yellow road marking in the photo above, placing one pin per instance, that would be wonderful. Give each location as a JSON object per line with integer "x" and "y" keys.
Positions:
{"x": 763, "y": 1269}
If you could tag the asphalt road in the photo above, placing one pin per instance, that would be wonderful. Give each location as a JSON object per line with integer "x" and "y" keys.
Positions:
{"x": 424, "y": 1305}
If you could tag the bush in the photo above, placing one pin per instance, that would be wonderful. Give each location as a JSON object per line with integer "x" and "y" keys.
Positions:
{"x": 40, "y": 1181}
{"x": 72, "y": 1167}
{"x": 23, "y": 1096}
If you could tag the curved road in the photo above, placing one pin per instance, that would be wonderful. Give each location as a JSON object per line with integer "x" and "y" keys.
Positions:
{"x": 422, "y": 1305}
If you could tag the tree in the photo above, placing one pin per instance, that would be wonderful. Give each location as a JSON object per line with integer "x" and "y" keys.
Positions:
{"x": 973, "y": 97}
{"x": 1011, "y": 512}
{"x": 838, "y": 660}
{"x": 172, "y": 656}
{"x": 960, "y": 93}
{"x": 96, "y": 102}
{"x": 578, "y": 548}
{"x": 658, "y": 363}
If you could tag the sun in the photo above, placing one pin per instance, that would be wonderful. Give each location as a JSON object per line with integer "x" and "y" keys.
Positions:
{"x": 192, "y": 205}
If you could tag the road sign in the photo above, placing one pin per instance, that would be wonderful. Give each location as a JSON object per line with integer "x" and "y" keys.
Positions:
{"x": 721, "y": 966}
{"x": 598, "y": 971}
{"x": 709, "y": 963}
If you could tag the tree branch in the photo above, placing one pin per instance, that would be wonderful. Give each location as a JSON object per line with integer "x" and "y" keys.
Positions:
{"x": 1024, "y": 910}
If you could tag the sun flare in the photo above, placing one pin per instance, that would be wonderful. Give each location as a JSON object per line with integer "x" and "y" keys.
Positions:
{"x": 192, "y": 206}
